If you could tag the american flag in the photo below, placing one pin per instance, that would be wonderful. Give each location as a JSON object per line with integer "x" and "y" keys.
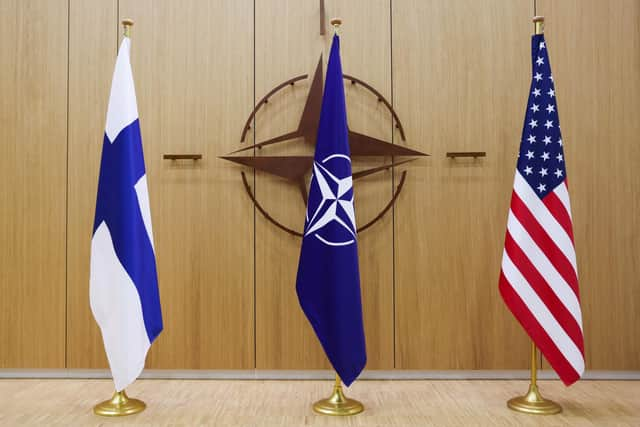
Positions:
{"x": 539, "y": 278}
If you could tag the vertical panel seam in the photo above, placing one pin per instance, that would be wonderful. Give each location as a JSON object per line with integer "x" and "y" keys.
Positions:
{"x": 117, "y": 25}
{"x": 255, "y": 296}
{"x": 66, "y": 196}
{"x": 393, "y": 207}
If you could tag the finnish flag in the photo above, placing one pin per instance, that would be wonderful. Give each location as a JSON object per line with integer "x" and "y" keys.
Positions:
{"x": 123, "y": 281}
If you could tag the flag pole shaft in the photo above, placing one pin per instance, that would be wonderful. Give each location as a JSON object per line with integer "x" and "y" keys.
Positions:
{"x": 534, "y": 365}
{"x": 538, "y": 22}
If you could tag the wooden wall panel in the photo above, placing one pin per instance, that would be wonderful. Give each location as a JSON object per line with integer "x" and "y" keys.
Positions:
{"x": 458, "y": 73}
{"x": 33, "y": 166}
{"x": 193, "y": 64}
{"x": 93, "y": 42}
{"x": 194, "y": 84}
{"x": 288, "y": 44}
{"x": 461, "y": 73}
{"x": 595, "y": 57}
{"x": 283, "y": 339}
{"x": 366, "y": 54}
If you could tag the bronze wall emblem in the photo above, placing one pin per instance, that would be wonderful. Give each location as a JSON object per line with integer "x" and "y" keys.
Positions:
{"x": 294, "y": 169}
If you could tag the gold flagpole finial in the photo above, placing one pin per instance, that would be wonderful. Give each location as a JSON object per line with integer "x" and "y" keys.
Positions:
{"x": 538, "y": 22}
{"x": 336, "y": 22}
{"x": 127, "y": 23}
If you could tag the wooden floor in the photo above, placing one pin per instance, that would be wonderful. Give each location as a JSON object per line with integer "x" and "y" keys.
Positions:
{"x": 287, "y": 403}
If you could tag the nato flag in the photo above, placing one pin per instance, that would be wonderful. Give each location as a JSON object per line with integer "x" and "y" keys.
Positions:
{"x": 328, "y": 282}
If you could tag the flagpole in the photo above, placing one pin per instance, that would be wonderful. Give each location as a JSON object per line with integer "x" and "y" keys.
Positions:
{"x": 120, "y": 404}
{"x": 338, "y": 403}
{"x": 533, "y": 402}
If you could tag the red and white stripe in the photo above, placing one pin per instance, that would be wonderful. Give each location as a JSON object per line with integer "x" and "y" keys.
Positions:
{"x": 539, "y": 277}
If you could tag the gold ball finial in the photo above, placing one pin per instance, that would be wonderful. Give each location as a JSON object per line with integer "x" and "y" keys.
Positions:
{"x": 336, "y": 22}
{"x": 538, "y": 22}
{"x": 127, "y": 23}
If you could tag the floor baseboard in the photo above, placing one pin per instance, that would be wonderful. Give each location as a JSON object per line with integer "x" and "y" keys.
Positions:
{"x": 259, "y": 374}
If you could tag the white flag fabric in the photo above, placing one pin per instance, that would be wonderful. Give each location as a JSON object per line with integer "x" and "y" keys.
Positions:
{"x": 123, "y": 281}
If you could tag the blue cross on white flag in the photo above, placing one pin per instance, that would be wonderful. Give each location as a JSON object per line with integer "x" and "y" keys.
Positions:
{"x": 123, "y": 281}
{"x": 328, "y": 282}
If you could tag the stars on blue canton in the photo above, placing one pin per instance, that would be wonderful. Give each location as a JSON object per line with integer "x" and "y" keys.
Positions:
{"x": 541, "y": 159}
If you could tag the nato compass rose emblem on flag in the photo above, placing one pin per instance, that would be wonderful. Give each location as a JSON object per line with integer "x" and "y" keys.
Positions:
{"x": 335, "y": 206}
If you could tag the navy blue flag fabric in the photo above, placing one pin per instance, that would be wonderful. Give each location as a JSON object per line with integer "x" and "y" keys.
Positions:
{"x": 328, "y": 282}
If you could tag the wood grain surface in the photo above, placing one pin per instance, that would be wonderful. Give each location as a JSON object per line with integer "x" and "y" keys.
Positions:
{"x": 93, "y": 44}
{"x": 594, "y": 50}
{"x": 33, "y": 173}
{"x": 193, "y": 65}
{"x": 457, "y": 73}
{"x": 284, "y": 338}
{"x": 288, "y": 403}
{"x": 461, "y": 73}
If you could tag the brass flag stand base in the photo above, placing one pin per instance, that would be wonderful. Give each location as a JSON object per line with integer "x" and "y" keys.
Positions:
{"x": 119, "y": 405}
{"x": 338, "y": 403}
{"x": 533, "y": 402}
